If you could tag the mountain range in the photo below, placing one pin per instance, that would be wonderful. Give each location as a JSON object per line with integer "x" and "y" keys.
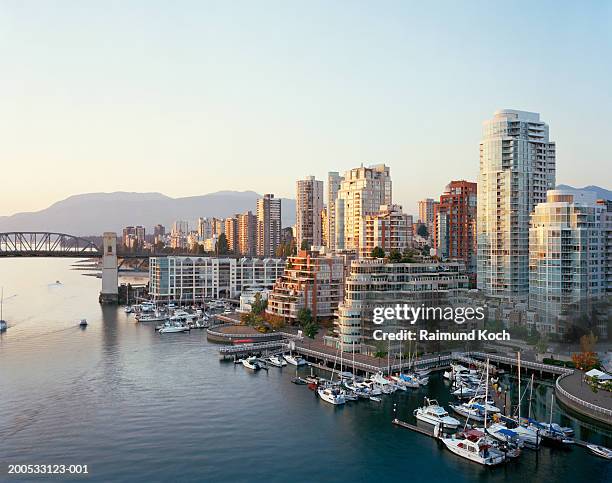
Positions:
{"x": 95, "y": 213}
{"x": 600, "y": 193}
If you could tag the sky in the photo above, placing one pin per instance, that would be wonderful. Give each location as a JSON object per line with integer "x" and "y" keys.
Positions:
{"x": 187, "y": 98}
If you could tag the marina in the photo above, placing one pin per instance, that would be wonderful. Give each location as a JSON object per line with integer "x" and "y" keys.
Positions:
{"x": 125, "y": 368}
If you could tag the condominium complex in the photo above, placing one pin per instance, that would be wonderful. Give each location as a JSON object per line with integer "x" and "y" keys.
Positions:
{"x": 231, "y": 233}
{"x": 134, "y": 237}
{"x": 247, "y": 234}
{"x": 194, "y": 279}
{"x": 376, "y": 283}
{"x": 268, "y": 225}
{"x": 517, "y": 168}
{"x": 310, "y": 280}
{"x": 309, "y": 205}
{"x": 362, "y": 192}
{"x": 333, "y": 185}
{"x": 455, "y": 224}
{"x": 426, "y": 213}
{"x": 389, "y": 229}
{"x": 567, "y": 258}
{"x": 205, "y": 228}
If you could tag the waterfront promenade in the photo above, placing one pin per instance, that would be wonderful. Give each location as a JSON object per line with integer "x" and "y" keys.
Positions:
{"x": 575, "y": 393}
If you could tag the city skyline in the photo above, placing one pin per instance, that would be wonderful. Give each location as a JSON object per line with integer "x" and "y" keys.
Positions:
{"x": 332, "y": 88}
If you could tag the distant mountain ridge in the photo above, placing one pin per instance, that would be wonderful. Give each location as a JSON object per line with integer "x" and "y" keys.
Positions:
{"x": 94, "y": 213}
{"x": 600, "y": 193}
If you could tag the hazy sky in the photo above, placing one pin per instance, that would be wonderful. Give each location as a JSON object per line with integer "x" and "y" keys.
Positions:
{"x": 187, "y": 98}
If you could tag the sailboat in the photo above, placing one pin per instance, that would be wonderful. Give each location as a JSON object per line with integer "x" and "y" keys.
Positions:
{"x": 3, "y": 324}
{"x": 475, "y": 445}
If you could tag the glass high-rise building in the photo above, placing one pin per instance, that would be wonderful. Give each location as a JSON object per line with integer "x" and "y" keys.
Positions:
{"x": 567, "y": 259}
{"x": 517, "y": 168}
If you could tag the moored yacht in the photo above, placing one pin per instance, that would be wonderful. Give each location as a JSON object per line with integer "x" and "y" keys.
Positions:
{"x": 251, "y": 363}
{"x": 331, "y": 395}
{"x": 294, "y": 360}
{"x": 276, "y": 361}
{"x": 170, "y": 328}
{"x": 475, "y": 446}
{"x": 435, "y": 414}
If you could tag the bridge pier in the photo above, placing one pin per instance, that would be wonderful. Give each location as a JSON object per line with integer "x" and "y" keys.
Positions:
{"x": 110, "y": 271}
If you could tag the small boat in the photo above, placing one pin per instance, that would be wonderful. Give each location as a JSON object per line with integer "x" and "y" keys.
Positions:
{"x": 294, "y": 360}
{"x": 251, "y": 363}
{"x": 601, "y": 451}
{"x": 331, "y": 395}
{"x": 128, "y": 309}
{"x": 83, "y": 323}
{"x": 375, "y": 399}
{"x": 276, "y": 361}
{"x": 467, "y": 411}
{"x": 168, "y": 328}
{"x": 475, "y": 446}
{"x": 433, "y": 413}
{"x": 3, "y": 324}
{"x": 299, "y": 381}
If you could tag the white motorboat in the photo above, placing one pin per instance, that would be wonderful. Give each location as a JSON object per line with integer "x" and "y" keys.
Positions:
{"x": 475, "y": 446}
{"x": 500, "y": 432}
{"x": 169, "y": 328}
{"x": 406, "y": 380}
{"x": 294, "y": 360}
{"x": 331, "y": 395}
{"x": 128, "y": 309}
{"x": 435, "y": 414}
{"x": 601, "y": 451}
{"x": 276, "y": 361}
{"x": 151, "y": 317}
{"x": 251, "y": 363}
{"x": 83, "y": 323}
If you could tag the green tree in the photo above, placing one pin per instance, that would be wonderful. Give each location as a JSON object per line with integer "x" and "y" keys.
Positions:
{"x": 395, "y": 256}
{"x": 422, "y": 231}
{"x": 259, "y": 305}
{"x": 377, "y": 252}
{"x": 222, "y": 246}
{"x": 304, "y": 245}
{"x": 304, "y": 317}
{"x": 311, "y": 330}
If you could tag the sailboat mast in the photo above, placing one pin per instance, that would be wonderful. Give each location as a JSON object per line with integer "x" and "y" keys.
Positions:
{"x": 552, "y": 403}
{"x": 518, "y": 355}
{"x": 486, "y": 395}
{"x": 530, "y": 396}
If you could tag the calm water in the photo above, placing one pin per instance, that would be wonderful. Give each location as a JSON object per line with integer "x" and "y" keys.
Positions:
{"x": 138, "y": 406}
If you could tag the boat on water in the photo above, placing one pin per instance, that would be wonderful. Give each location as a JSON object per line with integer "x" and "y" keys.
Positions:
{"x": 475, "y": 446}
{"x": 128, "y": 309}
{"x": 294, "y": 360}
{"x": 600, "y": 451}
{"x": 276, "y": 361}
{"x": 332, "y": 395}
{"x": 406, "y": 381}
{"x": 83, "y": 323}
{"x": 299, "y": 381}
{"x": 3, "y": 323}
{"x": 251, "y": 363}
{"x": 151, "y": 317}
{"x": 468, "y": 411}
{"x": 433, "y": 413}
{"x": 169, "y": 328}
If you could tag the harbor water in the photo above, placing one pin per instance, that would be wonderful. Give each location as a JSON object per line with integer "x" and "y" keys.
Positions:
{"x": 135, "y": 405}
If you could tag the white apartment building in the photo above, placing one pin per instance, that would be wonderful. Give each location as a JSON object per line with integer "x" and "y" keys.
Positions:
{"x": 362, "y": 192}
{"x": 517, "y": 168}
{"x": 567, "y": 258}
{"x": 194, "y": 279}
{"x": 308, "y": 207}
{"x": 376, "y": 283}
